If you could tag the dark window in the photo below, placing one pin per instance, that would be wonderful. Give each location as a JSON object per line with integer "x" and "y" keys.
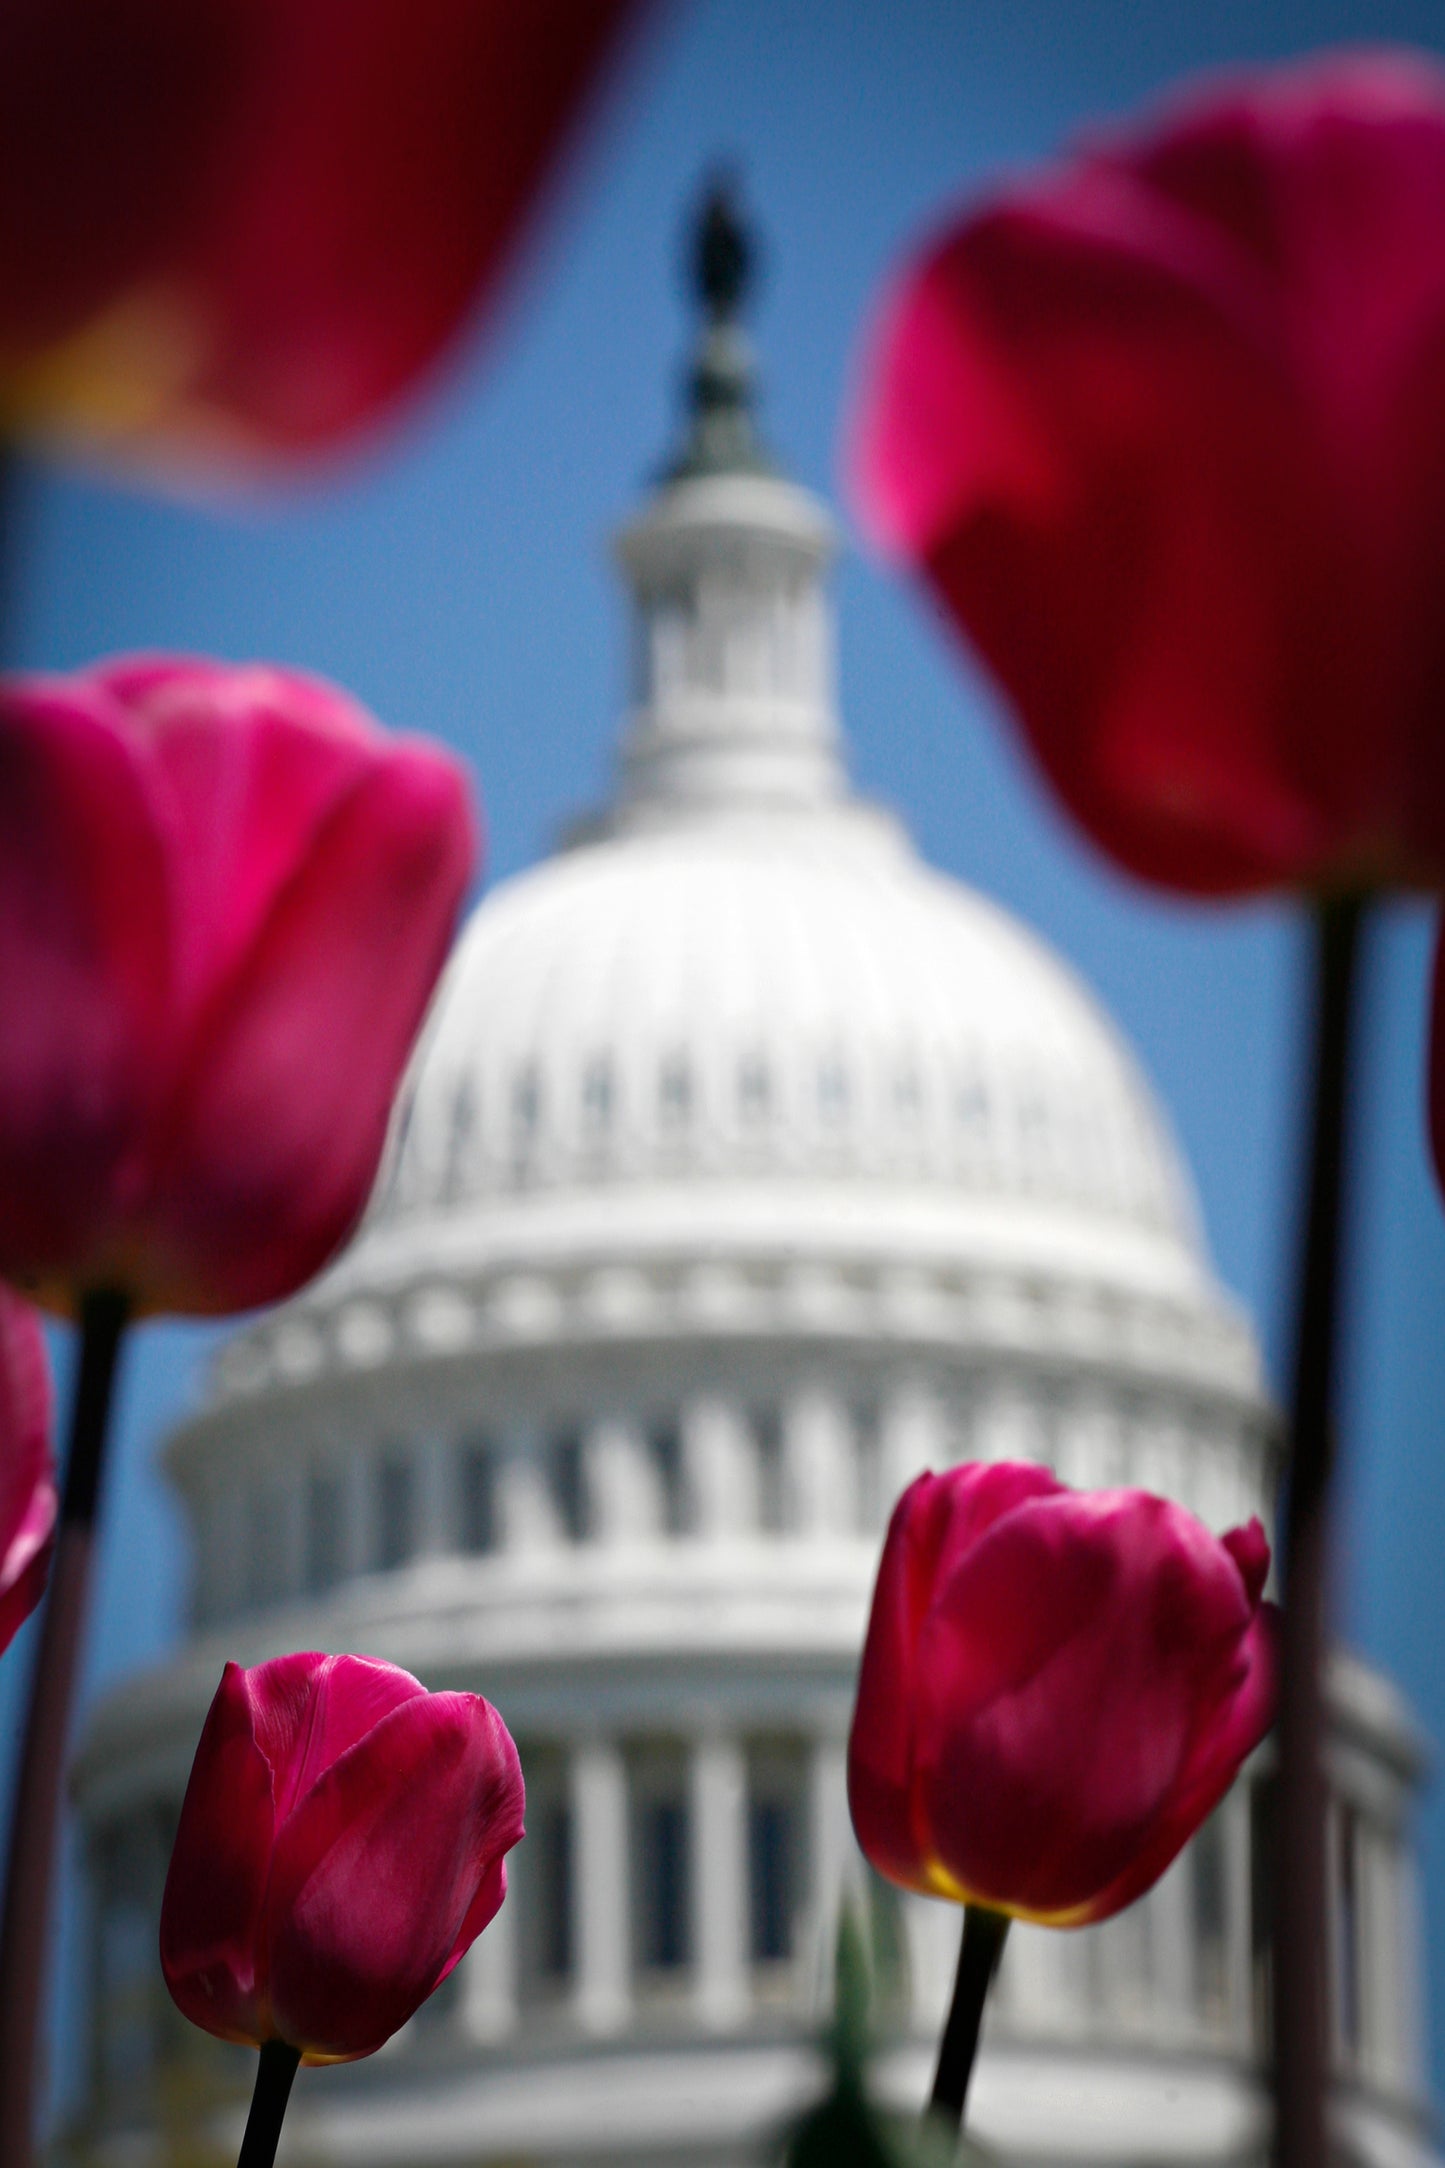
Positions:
{"x": 551, "y": 1835}
{"x": 526, "y": 1102}
{"x": 597, "y": 1093}
{"x": 1262, "y": 1822}
{"x": 665, "y": 1447}
{"x": 888, "y": 1949}
{"x": 675, "y": 1090}
{"x": 323, "y": 1532}
{"x": 1210, "y": 1896}
{"x": 832, "y": 1090}
{"x": 395, "y": 1515}
{"x": 772, "y": 1503}
{"x": 569, "y": 1486}
{"x": 908, "y": 1096}
{"x": 1347, "y": 1898}
{"x": 663, "y": 1831}
{"x": 772, "y": 1877}
{"x": 755, "y": 1089}
{"x": 971, "y": 1104}
{"x": 868, "y": 1461}
{"x": 267, "y": 1536}
{"x": 459, "y": 1143}
{"x": 477, "y": 1496}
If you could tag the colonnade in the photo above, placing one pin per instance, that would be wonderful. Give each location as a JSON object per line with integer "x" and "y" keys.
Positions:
{"x": 812, "y": 1464}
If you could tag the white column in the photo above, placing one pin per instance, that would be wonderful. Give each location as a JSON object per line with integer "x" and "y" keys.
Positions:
{"x": 1009, "y": 1424}
{"x": 934, "y": 1930}
{"x": 1342, "y": 2051}
{"x": 1237, "y": 1906}
{"x": 526, "y": 1513}
{"x": 1169, "y": 1911}
{"x": 489, "y": 1980}
{"x": 1408, "y": 1913}
{"x": 622, "y": 1488}
{"x": 1040, "y": 2000}
{"x": 1386, "y": 1993}
{"x": 819, "y": 1464}
{"x": 913, "y": 1434}
{"x": 601, "y": 1887}
{"x": 1122, "y": 1954}
{"x": 717, "y": 1782}
{"x": 721, "y": 1470}
{"x": 836, "y": 1862}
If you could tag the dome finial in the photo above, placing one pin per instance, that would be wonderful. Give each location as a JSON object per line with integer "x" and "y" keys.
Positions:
{"x": 722, "y": 247}
{"x": 722, "y": 435}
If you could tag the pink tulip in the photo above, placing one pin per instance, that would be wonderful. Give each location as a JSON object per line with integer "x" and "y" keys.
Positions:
{"x": 341, "y": 1846}
{"x": 1057, "y": 1688}
{"x": 27, "y": 1470}
{"x": 232, "y": 231}
{"x": 225, "y": 895}
{"x": 1164, "y": 430}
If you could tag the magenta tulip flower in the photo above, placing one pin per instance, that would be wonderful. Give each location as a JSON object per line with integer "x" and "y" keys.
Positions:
{"x": 233, "y": 231}
{"x": 1057, "y": 1688}
{"x": 225, "y": 895}
{"x": 27, "y": 1468}
{"x": 342, "y": 1844}
{"x": 1164, "y": 430}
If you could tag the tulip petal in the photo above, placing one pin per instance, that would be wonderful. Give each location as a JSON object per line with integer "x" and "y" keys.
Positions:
{"x": 379, "y": 1867}
{"x": 1062, "y": 1671}
{"x": 249, "y": 763}
{"x": 278, "y": 1122}
{"x": 309, "y": 1708}
{"x": 933, "y": 1524}
{"x": 27, "y": 1471}
{"x": 1227, "y": 1734}
{"x": 85, "y": 964}
{"x": 213, "y": 1907}
{"x": 1182, "y": 400}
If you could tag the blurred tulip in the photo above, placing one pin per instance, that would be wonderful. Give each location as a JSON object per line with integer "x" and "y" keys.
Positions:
{"x": 225, "y": 896}
{"x": 232, "y": 230}
{"x": 1165, "y": 430}
{"x": 341, "y": 1845}
{"x": 27, "y": 1469}
{"x": 1057, "y": 1688}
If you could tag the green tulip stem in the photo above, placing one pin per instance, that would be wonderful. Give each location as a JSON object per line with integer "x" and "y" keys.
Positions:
{"x": 278, "y": 2066}
{"x": 978, "y": 1956}
{"x": 35, "y": 1814}
{"x": 1301, "y": 1949}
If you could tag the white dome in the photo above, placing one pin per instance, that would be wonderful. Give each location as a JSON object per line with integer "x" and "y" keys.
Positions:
{"x": 737, "y": 1061}
{"x": 742, "y": 1016}
{"x": 766, "y": 994}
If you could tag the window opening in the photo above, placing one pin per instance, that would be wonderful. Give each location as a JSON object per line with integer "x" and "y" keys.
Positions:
{"x": 396, "y": 1514}
{"x": 477, "y": 1496}
{"x": 322, "y": 1562}
{"x": 569, "y": 1486}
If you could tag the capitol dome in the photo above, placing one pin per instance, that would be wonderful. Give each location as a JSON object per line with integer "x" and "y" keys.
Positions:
{"x": 745, "y": 1168}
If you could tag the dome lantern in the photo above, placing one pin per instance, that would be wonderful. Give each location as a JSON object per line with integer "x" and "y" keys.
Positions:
{"x": 732, "y": 699}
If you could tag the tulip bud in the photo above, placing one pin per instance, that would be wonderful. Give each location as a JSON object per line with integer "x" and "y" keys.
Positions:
{"x": 27, "y": 1469}
{"x": 341, "y": 1846}
{"x": 225, "y": 895}
{"x": 1057, "y": 1687}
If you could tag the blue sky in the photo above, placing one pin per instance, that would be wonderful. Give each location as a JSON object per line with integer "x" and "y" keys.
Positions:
{"x": 455, "y": 577}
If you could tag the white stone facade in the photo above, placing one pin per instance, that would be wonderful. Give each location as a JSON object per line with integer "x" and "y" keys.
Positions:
{"x": 747, "y": 1168}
